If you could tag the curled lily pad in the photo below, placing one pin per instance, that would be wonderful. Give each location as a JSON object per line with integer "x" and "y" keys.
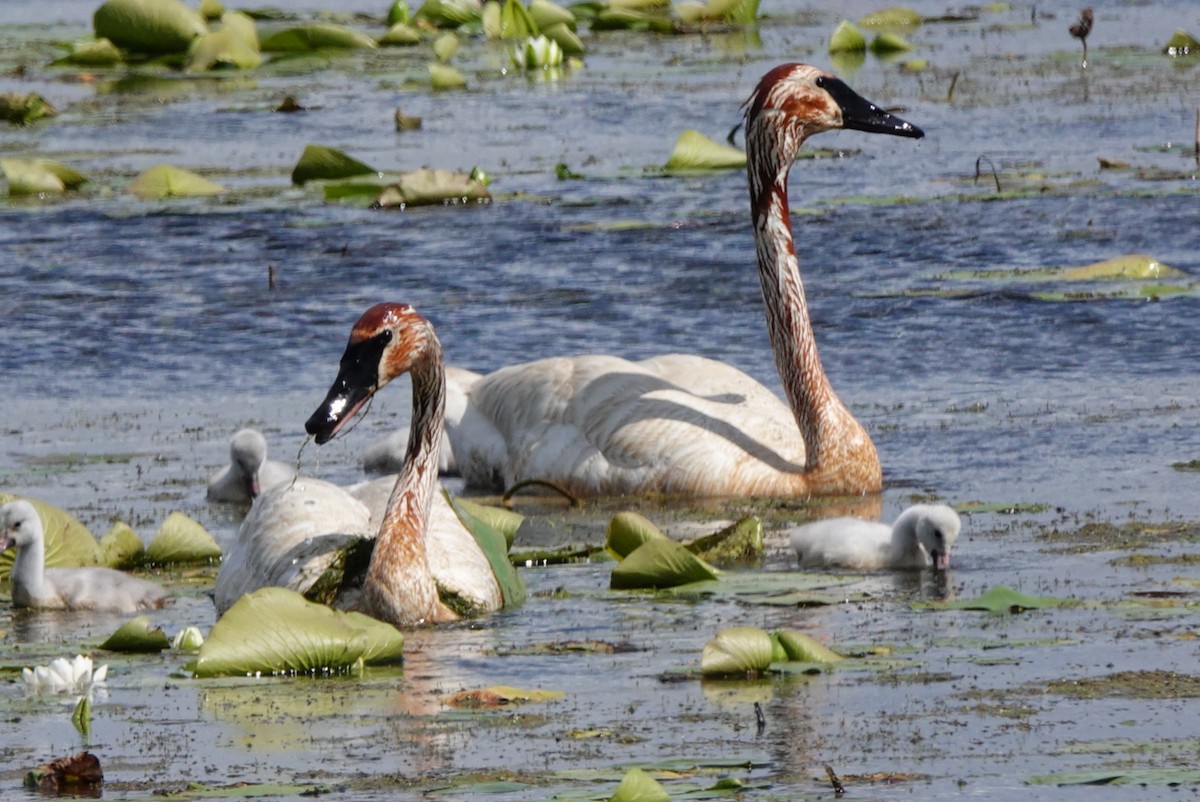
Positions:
{"x": 1182, "y": 43}
{"x": 546, "y": 14}
{"x": 121, "y": 547}
{"x": 400, "y": 34}
{"x": 148, "y": 26}
{"x": 504, "y": 521}
{"x": 694, "y": 151}
{"x": 444, "y": 77}
{"x": 737, "y": 651}
{"x": 39, "y": 176}
{"x": 732, "y": 11}
{"x": 489, "y": 19}
{"x": 167, "y": 181}
{"x": 660, "y": 563}
{"x": 890, "y": 18}
{"x": 137, "y": 635}
{"x": 1137, "y": 266}
{"x": 847, "y": 39}
{"x": 515, "y": 21}
{"x": 68, "y": 542}
{"x": 448, "y": 13}
{"x": 566, "y": 38}
{"x": 425, "y": 187}
{"x": 317, "y": 36}
{"x": 638, "y": 786}
{"x": 494, "y": 545}
{"x": 500, "y": 695}
{"x": 741, "y": 543}
{"x": 22, "y": 109}
{"x": 445, "y": 46}
{"x": 886, "y": 44}
{"x": 318, "y": 162}
{"x": 94, "y": 53}
{"x": 627, "y": 531}
{"x": 999, "y": 600}
{"x": 180, "y": 540}
{"x": 234, "y": 45}
{"x": 275, "y": 630}
{"x": 802, "y": 648}
{"x": 398, "y": 13}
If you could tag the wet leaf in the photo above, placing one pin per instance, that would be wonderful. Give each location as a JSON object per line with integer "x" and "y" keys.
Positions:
{"x": 998, "y": 600}
{"x": 504, "y": 521}
{"x": 445, "y": 46}
{"x": 737, "y": 651}
{"x": 1182, "y": 43}
{"x": 802, "y": 648}
{"x": 94, "y": 53}
{"x": 546, "y": 14}
{"x": 317, "y": 36}
{"x": 39, "y": 176}
{"x": 234, "y": 46}
{"x": 628, "y": 530}
{"x": 181, "y": 539}
{"x": 81, "y": 718}
{"x": 741, "y": 543}
{"x": 500, "y": 695}
{"x": 398, "y": 13}
{"x": 847, "y": 39}
{"x": 894, "y": 17}
{"x": 886, "y": 44}
{"x": 444, "y": 77}
{"x": 148, "y": 26}
{"x": 638, "y": 786}
{"x": 22, "y": 109}
{"x": 400, "y": 33}
{"x": 428, "y": 187}
{"x": 448, "y": 13}
{"x": 121, "y": 547}
{"x": 275, "y": 630}
{"x": 68, "y": 542}
{"x": 660, "y": 564}
{"x": 138, "y": 635}
{"x": 1137, "y": 266}
{"x": 516, "y": 21}
{"x": 567, "y": 39}
{"x": 493, "y": 543}
{"x": 694, "y": 151}
{"x": 319, "y": 163}
{"x": 1142, "y": 777}
{"x": 166, "y": 181}
{"x": 77, "y": 773}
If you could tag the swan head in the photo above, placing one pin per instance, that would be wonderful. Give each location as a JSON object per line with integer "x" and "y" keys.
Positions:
{"x": 387, "y": 341}
{"x": 937, "y": 528}
{"x": 248, "y": 451}
{"x": 794, "y": 101}
{"x": 19, "y": 524}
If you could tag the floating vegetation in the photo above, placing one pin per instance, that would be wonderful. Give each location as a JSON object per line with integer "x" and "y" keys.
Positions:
{"x": 68, "y": 543}
{"x": 167, "y": 181}
{"x": 317, "y": 36}
{"x": 40, "y": 177}
{"x": 181, "y": 539}
{"x": 694, "y": 152}
{"x": 149, "y": 26}
{"x": 25, "y": 108}
{"x": 500, "y": 696}
{"x": 138, "y": 635}
{"x": 999, "y": 601}
{"x": 1151, "y": 684}
{"x": 320, "y": 163}
{"x": 847, "y": 39}
{"x": 1182, "y": 44}
{"x": 537, "y": 53}
{"x": 426, "y": 187}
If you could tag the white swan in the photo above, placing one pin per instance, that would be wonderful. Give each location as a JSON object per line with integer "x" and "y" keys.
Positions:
{"x": 677, "y": 424}
{"x": 423, "y": 553}
{"x": 923, "y": 535}
{"x": 91, "y": 588}
{"x": 249, "y": 472}
{"x": 386, "y": 455}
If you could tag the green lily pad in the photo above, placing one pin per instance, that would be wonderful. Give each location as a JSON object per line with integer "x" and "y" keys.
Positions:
{"x": 567, "y": 40}
{"x": 398, "y": 13}
{"x": 495, "y": 547}
{"x": 445, "y": 78}
{"x": 93, "y": 53}
{"x": 121, "y": 547}
{"x": 638, "y": 786}
{"x": 1174, "y": 777}
{"x": 428, "y": 187}
{"x": 802, "y": 648}
{"x": 24, "y": 108}
{"x": 504, "y": 521}
{"x": 1136, "y": 266}
{"x": 886, "y": 44}
{"x": 546, "y": 14}
{"x": 660, "y": 564}
{"x": 740, "y": 543}
{"x": 694, "y": 151}
{"x": 40, "y": 176}
{"x": 275, "y": 630}
{"x": 890, "y": 18}
{"x": 515, "y": 21}
{"x": 166, "y": 181}
{"x": 317, "y": 36}
{"x": 627, "y": 531}
{"x": 148, "y": 26}
{"x": 998, "y": 600}
{"x": 81, "y": 717}
{"x": 500, "y": 695}
{"x": 737, "y": 651}
{"x": 182, "y": 540}
{"x": 137, "y": 635}
{"x": 399, "y": 34}
{"x": 448, "y": 13}
{"x": 1182, "y": 43}
{"x": 68, "y": 542}
{"x": 319, "y": 163}
{"x": 847, "y": 39}
{"x": 234, "y": 46}
{"x": 445, "y": 46}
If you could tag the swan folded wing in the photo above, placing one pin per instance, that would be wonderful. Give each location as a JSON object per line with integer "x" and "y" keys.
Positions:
{"x": 97, "y": 588}
{"x": 843, "y": 543}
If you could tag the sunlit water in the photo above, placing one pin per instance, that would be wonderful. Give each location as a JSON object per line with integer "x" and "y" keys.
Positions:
{"x": 138, "y": 336}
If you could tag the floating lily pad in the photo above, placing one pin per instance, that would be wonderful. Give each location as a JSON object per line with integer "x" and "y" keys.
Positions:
{"x": 737, "y": 651}
{"x": 166, "y": 181}
{"x": 1182, "y": 43}
{"x": 638, "y": 786}
{"x": 138, "y": 635}
{"x": 448, "y": 13}
{"x": 999, "y": 600}
{"x": 24, "y": 108}
{"x": 121, "y": 547}
{"x": 500, "y": 695}
{"x": 738, "y": 12}
{"x": 1170, "y": 777}
{"x": 40, "y": 176}
{"x": 504, "y": 521}
{"x": 234, "y": 46}
{"x": 401, "y": 33}
{"x": 694, "y": 151}
{"x": 740, "y": 543}
{"x": 799, "y": 647}
{"x": 445, "y": 46}
{"x": 317, "y": 36}
{"x": 1138, "y": 266}
{"x": 515, "y": 21}
{"x": 426, "y": 187}
{"x": 444, "y": 77}
{"x": 546, "y": 14}
{"x": 886, "y": 44}
{"x": 182, "y": 540}
{"x": 494, "y": 546}
{"x": 627, "y": 531}
{"x": 148, "y": 26}
{"x": 93, "y": 53}
{"x": 68, "y": 542}
{"x": 319, "y": 163}
{"x": 847, "y": 39}
{"x": 660, "y": 564}
{"x": 567, "y": 39}
{"x": 276, "y": 630}
{"x": 889, "y": 18}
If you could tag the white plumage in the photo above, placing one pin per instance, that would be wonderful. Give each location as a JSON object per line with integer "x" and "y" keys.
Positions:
{"x": 249, "y": 472}
{"x": 922, "y": 536}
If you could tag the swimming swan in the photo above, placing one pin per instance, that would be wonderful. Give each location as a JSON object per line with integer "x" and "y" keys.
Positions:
{"x": 421, "y": 548}
{"x": 922, "y": 536}
{"x": 90, "y": 588}
{"x": 679, "y": 424}
{"x": 249, "y": 472}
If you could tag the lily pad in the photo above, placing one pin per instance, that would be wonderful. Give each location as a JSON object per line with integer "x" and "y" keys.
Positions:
{"x": 166, "y": 181}
{"x": 148, "y": 26}
{"x": 400, "y": 33}
{"x": 890, "y": 18}
{"x": 694, "y": 151}
{"x": 802, "y": 648}
{"x": 567, "y": 39}
{"x": 504, "y": 521}
{"x": 319, "y": 163}
{"x": 1182, "y": 43}
{"x": 234, "y": 46}
{"x": 638, "y": 786}
{"x": 24, "y": 108}
{"x": 1137, "y": 266}
{"x": 398, "y": 13}
{"x": 276, "y": 630}
{"x": 445, "y": 46}
{"x": 999, "y": 600}
{"x": 627, "y": 531}
{"x": 317, "y": 36}
{"x": 737, "y": 651}
{"x": 500, "y": 695}
{"x": 660, "y": 564}
{"x": 847, "y": 39}
{"x": 448, "y": 13}
{"x": 40, "y": 176}
{"x": 740, "y": 543}
{"x": 93, "y": 53}
{"x": 495, "y": 547}
{"x": 137, "y": 635}
{"x": 444, "y": 77}
{"x": 886, "y": 44}
{"x": 546, "y": 14}
{"x": 68, "y": 542}
{"x": 121, "y": 547}
{"x": 426, "y": 187}
{"x": 515, "y": 21}
{"x": 180, "y": 539}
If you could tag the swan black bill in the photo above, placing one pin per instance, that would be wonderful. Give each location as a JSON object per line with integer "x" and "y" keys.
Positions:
{"x": 860, "y": 114}
{"x": 356, "y": 382}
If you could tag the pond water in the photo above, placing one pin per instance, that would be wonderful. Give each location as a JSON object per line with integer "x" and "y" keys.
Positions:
{"x": 138, "y": 336}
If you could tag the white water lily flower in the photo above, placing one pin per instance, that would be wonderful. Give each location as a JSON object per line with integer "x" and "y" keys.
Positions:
{"x": 189, "y": 639}
{"x": 65, "y": 676}
{"x": 537, "y": 52}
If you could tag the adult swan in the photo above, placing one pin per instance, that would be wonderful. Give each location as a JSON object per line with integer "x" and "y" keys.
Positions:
{"x": 423, "y": 554}
{"x": 677, "y": 424}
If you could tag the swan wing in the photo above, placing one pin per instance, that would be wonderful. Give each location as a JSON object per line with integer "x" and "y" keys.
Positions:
{"x": 97, "y": 588}
{"x": 843, "y": 543}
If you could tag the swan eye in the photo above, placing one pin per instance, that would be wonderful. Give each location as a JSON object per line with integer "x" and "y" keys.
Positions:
{"x": 821, "y": 82}
{"x": 16, "y": 525}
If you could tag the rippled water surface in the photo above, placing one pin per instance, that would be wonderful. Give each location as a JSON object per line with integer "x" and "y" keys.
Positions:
{"x": 137, "y": 336}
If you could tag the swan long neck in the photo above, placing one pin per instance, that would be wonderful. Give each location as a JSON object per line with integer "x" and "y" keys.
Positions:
{"x": 29, "y": 567}
{"x": 832, "y": 437}
{"x": 400, "y": 586}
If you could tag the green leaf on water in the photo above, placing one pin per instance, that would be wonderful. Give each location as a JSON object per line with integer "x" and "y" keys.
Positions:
{"x": 494, "y": 545}
{"x": 546, "y": 14}
{"x": 121, "y": 547}
{"x": 638, "y": 786}
{"x": 890, "y": 18}
{"x": 445, "y": 46}
{"x": 887, "y": 44}
{"x": 448, "y": 13}
{"x": 165, "y": 181}
{"x": 802, "y": 648}
{"x": 319, "y": 163}
{"x": 1134, "y": 266}
{"x": 275, "y": 630}
{"x": 40, "y": 176}
{"x": 740, "y": 543}
{"x": 138, "y": 635}
{"x": 515, "y": 21}
{"x": 999, "y": 600}
{"x": 82, "y": 716}
{"x": 1182, "y": 43}
{"x": 694, "y": 151}
{"x": 737, "y": 651}
{"x": 234, "y": 45}
{"x": 181, "y": 539}
{"x": 398, "y": 13}
{"x": 847, "y": 39}
{"x": 148, "y": 26}
{"x": 1176, "y": 777}
{"x": 660, "y": 564}
{"x": 445, "y": 78}
{"x": 23, "y": 108}
{"x": 505, "y": 521}
{"x": 93, "y": 53}
{"x": 400, "y": 34}
{"x": 426, "y": 187}
{"x": 628, "y": 530}
{"x": 317, "y": 36}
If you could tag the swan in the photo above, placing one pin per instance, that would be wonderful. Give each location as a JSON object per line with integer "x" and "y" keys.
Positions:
{"x": 91, "y": 588}
{"x": 423, "y": 553}
{"x": 249, "y": 471}
{"x": 922, "y": 536}
{"x": 687, "y": 425}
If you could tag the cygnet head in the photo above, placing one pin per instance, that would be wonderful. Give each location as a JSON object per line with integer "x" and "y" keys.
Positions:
{"x": 248, "y": 451}
{"x": 19, "y": 524}
{"x": 937, "y": 528}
